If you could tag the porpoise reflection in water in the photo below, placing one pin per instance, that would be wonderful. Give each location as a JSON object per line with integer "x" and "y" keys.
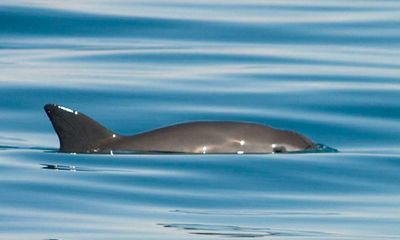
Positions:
{"x": 80, "y": 134}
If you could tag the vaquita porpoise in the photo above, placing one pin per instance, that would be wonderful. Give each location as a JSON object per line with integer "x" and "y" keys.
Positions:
{"x": 80, "y": 134}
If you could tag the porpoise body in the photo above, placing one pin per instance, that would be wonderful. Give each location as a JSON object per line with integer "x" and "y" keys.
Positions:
{"x": 80, "y": 134}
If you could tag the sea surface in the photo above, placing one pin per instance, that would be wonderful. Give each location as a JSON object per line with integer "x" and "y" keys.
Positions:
{"x": 327, "y": 69}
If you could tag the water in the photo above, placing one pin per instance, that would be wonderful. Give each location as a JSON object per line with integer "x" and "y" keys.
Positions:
{"x": 327, "y": 69}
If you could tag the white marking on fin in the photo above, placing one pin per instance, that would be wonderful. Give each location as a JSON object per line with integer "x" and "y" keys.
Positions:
{"x": 66, "y": 109}
{"x": 113, "y": 135}
{"x": 240, "y": 152}
{"x": 111, "y": 153}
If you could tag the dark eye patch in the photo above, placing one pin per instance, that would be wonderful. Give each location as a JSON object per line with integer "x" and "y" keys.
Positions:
{"x": 278, "y": 149}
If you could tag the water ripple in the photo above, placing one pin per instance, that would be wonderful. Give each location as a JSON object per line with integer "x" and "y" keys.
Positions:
{"x": 242, "y": 232}
{"x": 327, "y": 69}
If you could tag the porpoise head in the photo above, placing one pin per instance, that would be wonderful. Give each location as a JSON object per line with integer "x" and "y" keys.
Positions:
{"x": 292, "y": 142}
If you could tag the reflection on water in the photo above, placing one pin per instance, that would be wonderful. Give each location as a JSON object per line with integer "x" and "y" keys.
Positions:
{"x": 251, "y": 213}
{"x": 326, "y": 69}
{"x": 241, "y": 232}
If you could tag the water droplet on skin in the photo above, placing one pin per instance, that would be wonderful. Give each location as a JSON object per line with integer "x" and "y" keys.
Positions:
{"x": 204, "y": 149}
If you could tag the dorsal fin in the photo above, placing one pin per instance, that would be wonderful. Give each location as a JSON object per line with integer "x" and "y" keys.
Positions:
{"x": 77, "y": 132}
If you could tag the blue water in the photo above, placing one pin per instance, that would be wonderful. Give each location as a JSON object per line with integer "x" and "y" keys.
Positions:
{"x": 327, "y": 69}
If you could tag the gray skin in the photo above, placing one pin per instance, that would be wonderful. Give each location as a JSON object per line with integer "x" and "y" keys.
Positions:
{"x": 80, "y": 134}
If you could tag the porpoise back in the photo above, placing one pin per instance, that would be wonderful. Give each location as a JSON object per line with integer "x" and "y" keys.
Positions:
{"x": 80, "y": 134}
